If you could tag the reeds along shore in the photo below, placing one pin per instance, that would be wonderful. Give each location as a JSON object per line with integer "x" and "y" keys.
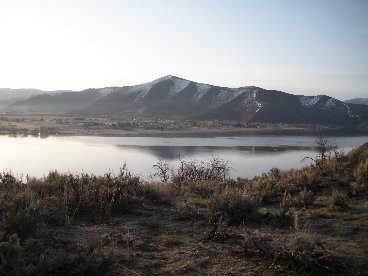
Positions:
{"x": 195, "y": 221}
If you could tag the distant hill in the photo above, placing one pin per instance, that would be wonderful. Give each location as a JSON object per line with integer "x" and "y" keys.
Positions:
{"x": 358, "y": 101}
{"x": 10, "y": 96}
{"x": 171, "y": 96}
{"x": 56, "y": 102}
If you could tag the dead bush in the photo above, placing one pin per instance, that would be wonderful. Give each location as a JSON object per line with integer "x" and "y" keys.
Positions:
{"x": 216, "y": 169}
{"x": 304, "y": 199}
{"x": 338, "y": 199}
{"x": 235, "y": 207}
{"x": 361, "y": 172}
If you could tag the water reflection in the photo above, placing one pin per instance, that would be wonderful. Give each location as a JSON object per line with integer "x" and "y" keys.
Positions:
{"x": 35, "y": 134}
{"x": 173, "y": 152}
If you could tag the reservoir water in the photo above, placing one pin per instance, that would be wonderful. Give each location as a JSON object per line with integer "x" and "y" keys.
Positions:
{"x": 248, "y": 156}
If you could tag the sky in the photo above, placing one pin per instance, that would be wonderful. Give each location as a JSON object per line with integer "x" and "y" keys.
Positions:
{"x": 308, "y": 47}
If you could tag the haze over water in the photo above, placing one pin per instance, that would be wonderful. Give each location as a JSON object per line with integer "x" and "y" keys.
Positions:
{"x": 248, "y": 156}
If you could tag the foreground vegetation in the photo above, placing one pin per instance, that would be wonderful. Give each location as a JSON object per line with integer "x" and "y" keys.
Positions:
{"x": 312, "y": 221}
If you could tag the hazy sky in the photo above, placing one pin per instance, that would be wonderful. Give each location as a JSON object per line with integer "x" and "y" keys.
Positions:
{"x": 302, "y": 47}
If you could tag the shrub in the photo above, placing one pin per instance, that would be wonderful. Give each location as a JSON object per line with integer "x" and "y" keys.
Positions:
{"x": 202, "y": 189}
{"x": 19, "y": 214}
{"x": 235, "y": 207}
{"x": 163, "y": 171}
{"x": 75, "y": 195}
{"x": 217, "y": 230}
{"x": 9, "y": 182}
{"x": 338, "y": 199}
{"x": 306, "y": 252}
{"x": 305, "y": 198}
{"x": 216, "y": 169}
{"x": 184, "y": 211}
{"x": 358, "y": 155}
{"x": 282, "y": 218}
{"x": 10, "y": 255}
{"x": 300, "y": 253}
{"x": 361, "y": 172}
{"x": 160, "y": 193}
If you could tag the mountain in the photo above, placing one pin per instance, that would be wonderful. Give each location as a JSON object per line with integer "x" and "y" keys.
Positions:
{"x": 171, "y": 96}
{"x": 10, "y": 96}
{"x": 358, "y": 101}
{"x": 61, "y": 102}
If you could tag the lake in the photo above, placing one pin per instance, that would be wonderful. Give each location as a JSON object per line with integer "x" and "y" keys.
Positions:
{"x": 248, "y": 156}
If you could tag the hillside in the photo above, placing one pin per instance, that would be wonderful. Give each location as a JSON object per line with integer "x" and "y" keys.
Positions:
{"x": 56, "y": 103}
{"x": 311, "y": 221}
{"x": 358, "y": 101}
{"x": 10, "y": 96}
{"x": 179, "y": 98}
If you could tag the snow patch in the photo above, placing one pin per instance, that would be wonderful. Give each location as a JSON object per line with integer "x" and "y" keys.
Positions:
{"x": 145, "y": 87}
{"x": 107, "y": 90}
{"x": 333, "y": 103}
{"x": 350, "y": 113}
{"x": 259, "y": 106}
{"x": 247, "y": 102}
{"x": 309, "y": 101}
{"x": 222, "y": 96}
{"x": 330, "y": 103}
{"x": 201, "y": 91}
{"x": 237, "y": 93}
{"x": 179, "y": 85}
{"x": 249, "y": 99}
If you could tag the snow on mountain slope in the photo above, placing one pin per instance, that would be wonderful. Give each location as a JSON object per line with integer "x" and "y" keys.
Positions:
{"x": 326, "y": 103}
{"x": 108, "y": 90}
{"x": 201, "y": 91}
{"x": 330, "y": 103}
{"x": 143, "y": 88}
{"x": 179, "y": 85}
{"x": 309, "y": 101}
{"x": 223, "y": 96}
{"x": 349, "y": 112}
{"x": 249, "y": 101}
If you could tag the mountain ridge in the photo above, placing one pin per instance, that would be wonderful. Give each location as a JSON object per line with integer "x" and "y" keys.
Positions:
{"x": 358, "y": 101}
{"x": 9, "y": 96}
{"x": 171, "y": 96}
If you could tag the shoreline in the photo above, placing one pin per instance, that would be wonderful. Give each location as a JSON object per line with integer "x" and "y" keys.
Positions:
{"x": 205, "y": 133}
{"x": 53, "y": 125}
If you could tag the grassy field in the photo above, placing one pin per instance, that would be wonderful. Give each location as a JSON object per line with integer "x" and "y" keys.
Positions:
{"x": 312, "y": 221}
